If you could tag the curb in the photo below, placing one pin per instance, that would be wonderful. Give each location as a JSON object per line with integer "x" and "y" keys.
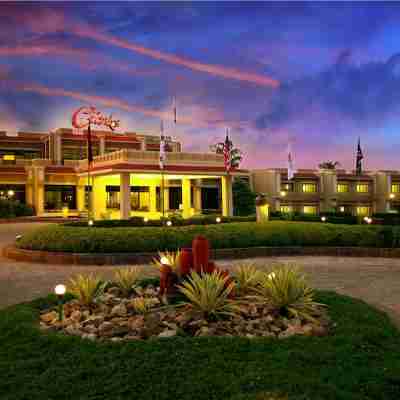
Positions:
{"x": 46, "y": 257}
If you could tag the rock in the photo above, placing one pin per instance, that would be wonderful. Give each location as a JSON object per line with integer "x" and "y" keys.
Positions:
{"x": 89, "y": 336}
{"x": 183, "y": 319}
{"x": 114, "y": 290}
{"x": 319, "y": 330}
{"x": 168, "y": 333}
{"x": 73, "y": 330}
{"x": 49, "y": 317}
{"x": 307, "y": 330}
{"x": 132, "y": 337}
{"x": 104, "y": 327}
{"x": 90, "y": 329}
{"x": 119, "y": 310}
{"x": 171, "y": 325}
{"x": 135, "y": 323}
{"x": 76, "y": 316}
{"x": 116, "y": 339}
{"x": 70, "y": 307}
{"x": 95, "y": 320}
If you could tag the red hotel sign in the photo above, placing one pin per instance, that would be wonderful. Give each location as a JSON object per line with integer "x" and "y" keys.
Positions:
{"x": 84, "y": 116}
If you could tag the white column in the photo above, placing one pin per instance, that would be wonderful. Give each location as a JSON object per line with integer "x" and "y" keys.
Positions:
{"x": 102, "y": 145}
{"x": 153, "y": 198}
{"x": 125, "y": 195}
{"x": 186, "y": 198}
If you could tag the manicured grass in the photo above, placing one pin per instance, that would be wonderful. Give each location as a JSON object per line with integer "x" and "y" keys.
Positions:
{"x": 361, "y": 360}
{"x": 233, "y": 235}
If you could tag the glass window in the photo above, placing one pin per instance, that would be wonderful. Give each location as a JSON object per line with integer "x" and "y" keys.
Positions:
{"x": 12, "y": 192}
{"x": 343, "y": 187}
{"x": 140, "y": 198}
{"x": 286, "y": 209}
{"x": 395, "y": 188}
{"x": 59, "y": 196}
{"x": 310, "y": 210}
{"x": 362, "y": 210}
{"x": 113, "y": 197}
{"x": 287, "y": 187}
{"x": 362, "y": 187}
{"x": 309, "y": 187}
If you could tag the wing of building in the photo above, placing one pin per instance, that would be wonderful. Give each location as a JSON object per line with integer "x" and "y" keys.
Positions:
{"x": 324, "y": 190}
{"x": 50, "y": 172}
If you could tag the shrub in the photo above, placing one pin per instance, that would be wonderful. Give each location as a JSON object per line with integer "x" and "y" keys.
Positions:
{"x": 141, "y": 305}
{"x": 13, "y": 208}
{"x": 171, "y": 259}
{"x": 287, "y": 291}
{"x": 86, "y": 288}
{"x": 208, "y": 294}
{"x": 247, "y": 277}
{"x": 126, "y": 278}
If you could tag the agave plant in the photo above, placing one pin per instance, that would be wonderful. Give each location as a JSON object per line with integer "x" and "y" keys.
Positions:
{"x": 126, "y": 278}
{"x": 247, "y": 278}
{"x": 86, "y": 288}
{"x": 172, "y": 259}
{"x": 142, "y": 305}
{"x": 208, "y": 294}
{"x": 286, "y": 290}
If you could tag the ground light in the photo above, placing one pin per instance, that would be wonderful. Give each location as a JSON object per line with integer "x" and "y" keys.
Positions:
{"x": 218, "y": 220}
{"x": 283, "y": 193}
{"x": 18, "y": 237}
{"x": 145, "y": 220}
{"x": 392, "y": 195}
{"x": 164, "y": 260}
{"x": 169, "y": 223}
{"x": 60, "y": 290}
{"x": 10, "y": 193}
{"x": 323, "y": 219}
{"x": 90, "y": 222}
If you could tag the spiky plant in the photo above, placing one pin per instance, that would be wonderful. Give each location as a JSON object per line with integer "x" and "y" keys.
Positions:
{"x": 287, "y": 291}
{"x": 170, "y": 258}
{"x": 86, "y": 288}
{"x": 208, "y": 294}
{"x": 126, "y": 278}
{"x": 141, "y": 305}
{"x": 247, "y": 278}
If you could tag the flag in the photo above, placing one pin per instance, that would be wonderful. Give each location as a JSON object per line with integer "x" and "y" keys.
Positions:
{"x": 174, "y": 106}
{"x": 162, "y": 146}
{"x": 227, "y": 152}
{"x": 89, "y": 144}
{"x": 360, "y": 156}
{"x": 290, "y": 169}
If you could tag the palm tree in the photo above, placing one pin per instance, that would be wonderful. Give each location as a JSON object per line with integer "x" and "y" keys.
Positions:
{"x": 329, "y": 164}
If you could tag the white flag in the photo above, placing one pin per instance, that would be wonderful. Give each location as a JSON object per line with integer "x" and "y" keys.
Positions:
{"x": 290, "y": 170}
{"x": 162, "y": 146}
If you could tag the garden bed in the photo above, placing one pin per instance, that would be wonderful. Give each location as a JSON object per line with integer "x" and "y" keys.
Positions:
{"x": 360, "y": 360}
{"x": 72, "y": 239}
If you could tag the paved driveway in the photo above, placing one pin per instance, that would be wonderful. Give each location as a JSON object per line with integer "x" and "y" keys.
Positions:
{"x": 375, "y": 280}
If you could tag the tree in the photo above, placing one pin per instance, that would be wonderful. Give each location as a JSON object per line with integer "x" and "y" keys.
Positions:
{"x": 329, "y": 164}
{"x": 244, "y": 200}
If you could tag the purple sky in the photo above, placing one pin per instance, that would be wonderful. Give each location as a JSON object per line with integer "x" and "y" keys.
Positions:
{"x": 317, "y": 74}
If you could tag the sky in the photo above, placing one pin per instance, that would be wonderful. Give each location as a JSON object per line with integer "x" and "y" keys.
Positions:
{"x": 316, "y": 74}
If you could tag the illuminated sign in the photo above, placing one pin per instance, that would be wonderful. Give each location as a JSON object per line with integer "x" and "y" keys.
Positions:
{"x": 84, "y": 116}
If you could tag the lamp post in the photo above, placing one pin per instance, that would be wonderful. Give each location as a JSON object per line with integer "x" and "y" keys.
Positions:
{"x": 60, "y": 290}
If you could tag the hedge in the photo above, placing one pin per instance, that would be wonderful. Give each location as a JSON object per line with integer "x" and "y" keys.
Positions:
{"x": 176, "y": 221}
{"x": 235, "y": 235}
{"x": 13, "y": 208}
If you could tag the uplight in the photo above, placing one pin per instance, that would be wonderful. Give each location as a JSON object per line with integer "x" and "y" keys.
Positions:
{"x": 218, "y": 220}
{"x": 145, "y": 219}
{"x": 11, "y": 193}
{"x": 169, "y": 223}
{"x": 90, "y": 222}
{"x": 60, "y": 290}
{"x": 164, "y": 260}
{"x": 323, "y": 219}
{"x": 283, "y": 193}
{"x": 392, "y": 195}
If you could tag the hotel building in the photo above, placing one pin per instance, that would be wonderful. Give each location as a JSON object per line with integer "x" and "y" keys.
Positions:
{"x": 50, "y": 172}
{"x": 314, "y": 191}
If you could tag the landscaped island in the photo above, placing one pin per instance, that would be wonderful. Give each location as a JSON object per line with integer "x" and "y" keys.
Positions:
{"x": 76, "y": 239}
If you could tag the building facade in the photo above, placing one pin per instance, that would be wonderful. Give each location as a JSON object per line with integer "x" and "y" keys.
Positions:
{"x": 50, "y": 172}
{"x": 315, "y": 191}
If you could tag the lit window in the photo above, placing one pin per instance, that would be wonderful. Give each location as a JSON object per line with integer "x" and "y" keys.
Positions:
{"x": 286, "y": 209}
{"x": 362, "y": 211}
{"x": 9, "y": 157}
{"x": 342, "y": 187}
{"x": 395, "y": 188}
{"x": 362, "y": 188}
{"x": 309, "y": 188}
{"x": 310, "y": 210}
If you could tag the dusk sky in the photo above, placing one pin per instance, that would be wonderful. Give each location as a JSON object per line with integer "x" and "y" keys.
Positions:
{"x": 317, "y": 74}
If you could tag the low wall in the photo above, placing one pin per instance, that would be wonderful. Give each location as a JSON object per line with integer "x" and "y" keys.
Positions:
{"x": 46, "y": 257}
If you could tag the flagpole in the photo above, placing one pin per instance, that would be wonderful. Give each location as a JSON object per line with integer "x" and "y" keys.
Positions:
{"x": 88, "y": 145}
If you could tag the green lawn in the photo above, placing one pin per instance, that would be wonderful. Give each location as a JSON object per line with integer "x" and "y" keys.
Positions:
{"x": 232, "y": 235}
{"x": 361, "y": 360}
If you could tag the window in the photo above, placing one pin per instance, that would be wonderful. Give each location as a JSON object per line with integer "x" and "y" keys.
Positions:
{"x": 59, "y": 196}
{"x": 287, "y": 187}
{"x": 14, "y": 192}
{"x": 395, "y": 188}
{"x": 286, "y": 209}
{"x": 342, "y": 187}
{"x": 310, "y": 210}
{"x": 113, "y": 197}
{"x": 362, "y": 188}
{"x": 362, "y": 210}
{"x": 309, "y": 187}
{"x": 140, "y": 198}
